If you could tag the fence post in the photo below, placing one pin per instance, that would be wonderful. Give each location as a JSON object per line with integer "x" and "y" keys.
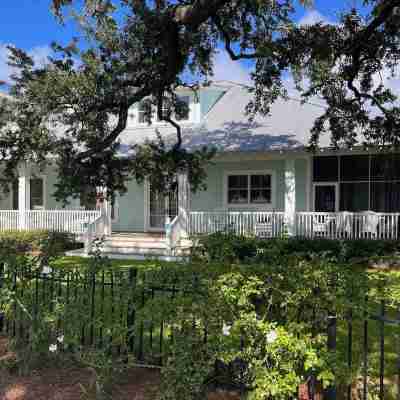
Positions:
{"x": 330, "y": 392}
{"x": 92, "y": 305}
{"x": 1, "y": 285}
{"x": 131, "y": 310}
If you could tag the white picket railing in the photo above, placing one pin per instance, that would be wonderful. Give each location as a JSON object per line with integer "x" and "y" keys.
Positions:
{"x": 9, "y": 220}
{"x": 348, "y": 225}
{"x": 72, "y": 221}
{"x": 260, "y": 223}
{"x": 341, "y": 225}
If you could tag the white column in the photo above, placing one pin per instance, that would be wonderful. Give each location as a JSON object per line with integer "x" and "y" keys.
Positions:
{"x": 23, "y": 198}
{"x": 183, "y": 204}
{"x": 290, "y": 197}
{"x": 105, "y": 209}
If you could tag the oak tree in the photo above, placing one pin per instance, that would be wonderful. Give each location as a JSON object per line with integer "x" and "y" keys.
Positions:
{"x": 74, "y": 109}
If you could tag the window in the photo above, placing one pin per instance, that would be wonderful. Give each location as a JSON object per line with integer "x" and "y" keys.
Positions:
{"x": 183, "y": 114}
{"x": 142, "y": 113}
{"x": 36, "y": 194}
{"x": 15, "y": 195}
{"x": 249, "y": 189}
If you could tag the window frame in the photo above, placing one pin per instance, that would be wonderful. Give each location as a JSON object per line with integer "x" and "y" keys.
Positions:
{"x": 44, "y": 191}
{"x": 134, "y": 114}
{"x": 249, "y": 173}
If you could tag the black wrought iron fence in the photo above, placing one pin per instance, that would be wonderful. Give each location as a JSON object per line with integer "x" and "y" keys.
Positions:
{"x": 99, "y": 309}
{"x": 96, "y": 309}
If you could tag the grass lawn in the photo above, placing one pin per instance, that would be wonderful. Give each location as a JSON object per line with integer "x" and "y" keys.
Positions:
{"x": 75, "y": 261}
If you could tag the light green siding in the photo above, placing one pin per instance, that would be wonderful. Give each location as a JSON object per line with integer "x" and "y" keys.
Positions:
{"x": 208, "y": 98}
{"x": 213, "y": 197}
{"x": 5, "y": 201}
{"x": 302, "y": 178}
{"x": 131, "y": 206}
{"x": 51, "y": 202}
{"x": 131, "y": 209}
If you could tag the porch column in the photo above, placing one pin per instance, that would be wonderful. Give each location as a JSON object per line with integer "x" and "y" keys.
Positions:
{"x": 23, "y": 198}
{"x": 183, "y": 204}
{"x": 104, "y": 206}
{"x": 290, "y": 197}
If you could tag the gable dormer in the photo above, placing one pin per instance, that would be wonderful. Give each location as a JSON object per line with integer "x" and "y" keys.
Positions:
{"x": 136, "y": 114}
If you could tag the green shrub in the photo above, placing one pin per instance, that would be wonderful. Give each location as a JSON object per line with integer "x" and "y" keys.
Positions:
{"x": 231, "y": 248}
{"x": 49, "y": 242}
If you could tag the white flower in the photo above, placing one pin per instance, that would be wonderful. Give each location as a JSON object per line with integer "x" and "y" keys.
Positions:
{"x": 53, "y": 348}
{"x": 226, "y": 329}
{"x": 46, "y": 270}
{"x": 60, "y": 339}
{"x": 272, "y": 336}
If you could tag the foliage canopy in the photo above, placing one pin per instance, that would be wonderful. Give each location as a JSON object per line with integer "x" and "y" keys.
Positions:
{"x": 146, "y": 49}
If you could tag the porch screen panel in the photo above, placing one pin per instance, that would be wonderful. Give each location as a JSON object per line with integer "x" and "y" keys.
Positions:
{"x": 366, "y": 182}
{"x": 326, "y": 169}
{"x": 385, "y": 196}
{"x": 354, "y": 196}
{"x": 385, "y": 167}
{"x": 354, "y": 168}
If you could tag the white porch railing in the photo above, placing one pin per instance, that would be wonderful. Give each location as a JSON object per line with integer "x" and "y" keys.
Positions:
{"x": 348, "y": 225}
{"x": 9, "y": 220}
{"x": 72, "y": 221}
{"x": 341, "y": 225}
{"x": 265, "y": 224}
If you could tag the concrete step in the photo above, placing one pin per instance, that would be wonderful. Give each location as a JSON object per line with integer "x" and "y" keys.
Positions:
{"x": 136, "y": 238}
{"x": 136, "y": 243}
{"x": 130, "y": 256}
{"x": 127, "y": 249}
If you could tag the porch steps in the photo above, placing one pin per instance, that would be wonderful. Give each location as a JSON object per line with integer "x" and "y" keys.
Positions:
{"x": 138, "y": 246}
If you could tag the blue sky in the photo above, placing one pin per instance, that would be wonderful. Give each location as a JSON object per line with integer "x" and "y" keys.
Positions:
{"x": 29, "y": 24}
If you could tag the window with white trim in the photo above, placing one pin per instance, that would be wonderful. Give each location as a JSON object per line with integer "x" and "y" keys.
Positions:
{"x": 138, "y": 115}
{"x": 250, "y": 189}
{"x": 37, "y": 194}
{"x": 183, "y": 115}
{"x": 142, "y": 113}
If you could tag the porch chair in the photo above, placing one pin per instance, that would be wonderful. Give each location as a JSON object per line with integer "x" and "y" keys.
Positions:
{"x": 369, "y": 224}
{"x": 264, "y": 229}
{"x": 322, "y": 225}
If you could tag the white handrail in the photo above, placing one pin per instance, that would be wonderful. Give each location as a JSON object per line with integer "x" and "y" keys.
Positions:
{"x": 95, "y": 230}
{"x": 173, "y": 233}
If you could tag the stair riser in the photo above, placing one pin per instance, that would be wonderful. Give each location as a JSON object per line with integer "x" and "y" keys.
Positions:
{"x": 136, "y": 245}
{"x": 134, "y": 250}
{"x": 134, "y": 240}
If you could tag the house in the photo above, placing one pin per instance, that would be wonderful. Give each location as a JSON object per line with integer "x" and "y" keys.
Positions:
{"x": 262, "y": 181}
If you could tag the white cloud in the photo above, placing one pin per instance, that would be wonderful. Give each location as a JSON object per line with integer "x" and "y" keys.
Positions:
{"x": 226, "y": 69}
{"x": 38, "y": 53}
{"x": 312, "y": 17}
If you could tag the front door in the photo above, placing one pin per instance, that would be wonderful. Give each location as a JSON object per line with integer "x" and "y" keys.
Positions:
{"x": 325, "y": 198}
{"x": 161, "y": 207}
